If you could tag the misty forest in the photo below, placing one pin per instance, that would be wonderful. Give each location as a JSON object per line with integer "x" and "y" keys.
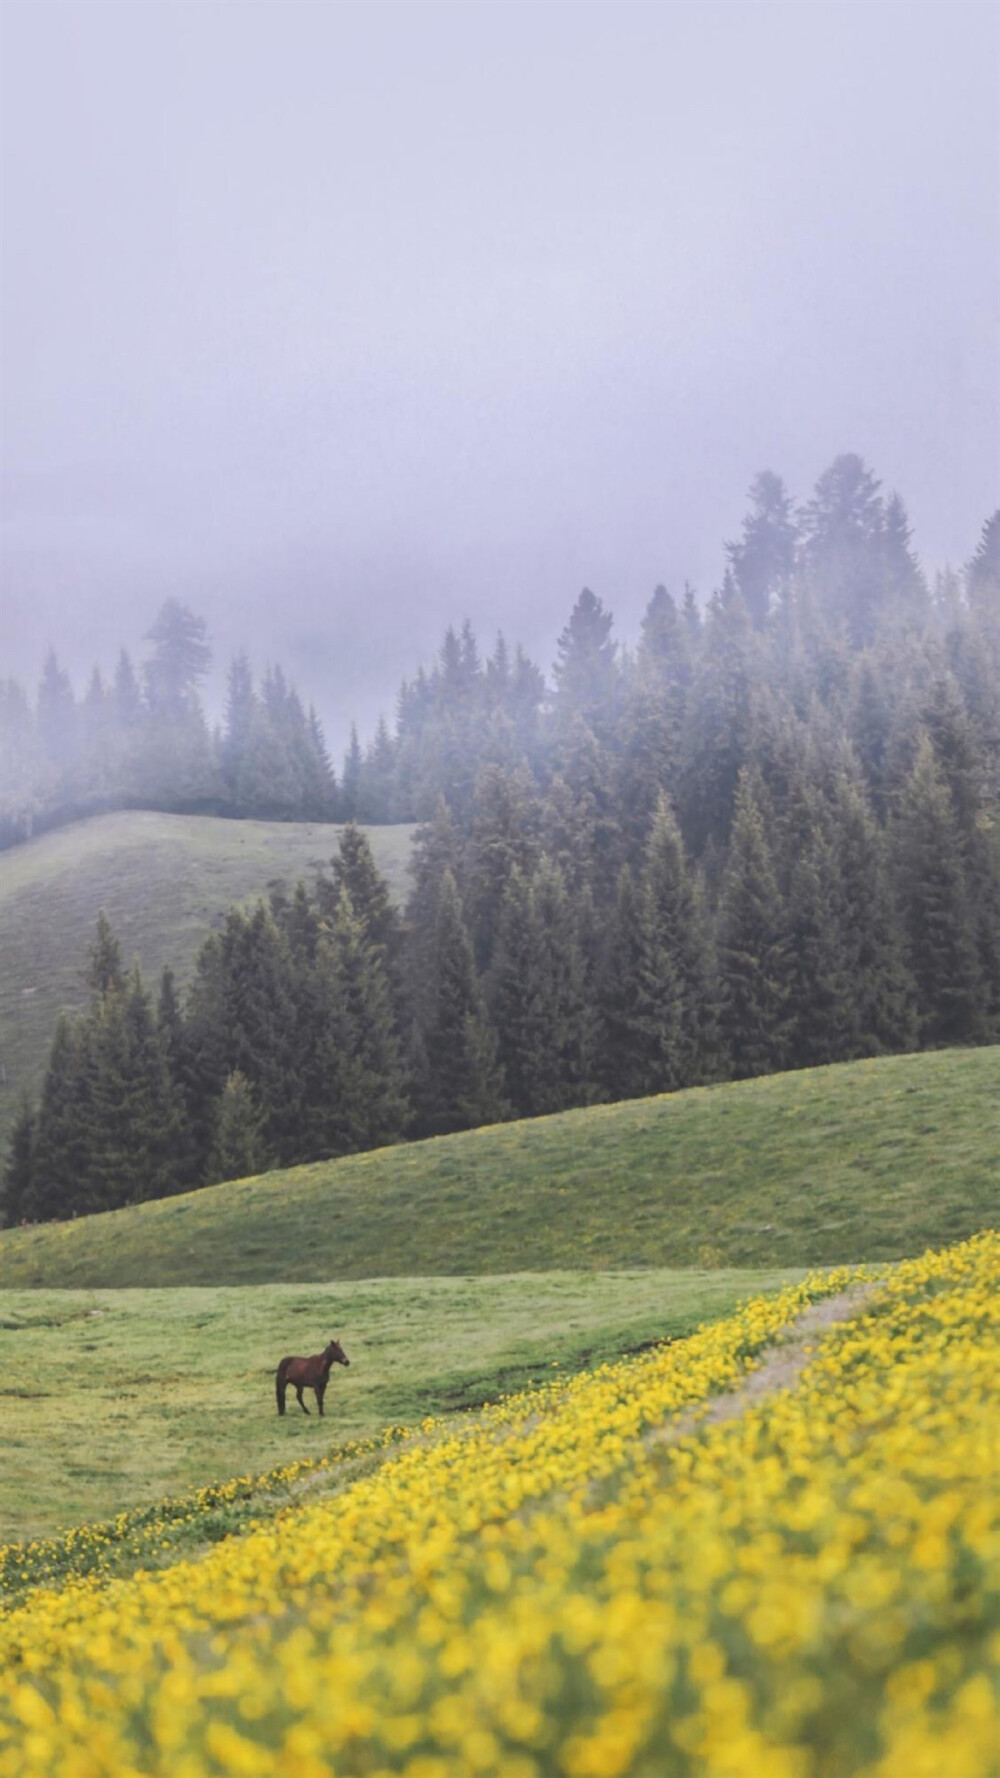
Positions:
{"x": 764, "y": 837}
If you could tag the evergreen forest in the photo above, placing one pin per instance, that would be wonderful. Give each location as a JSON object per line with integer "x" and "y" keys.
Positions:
{"x": 766, "y": 836}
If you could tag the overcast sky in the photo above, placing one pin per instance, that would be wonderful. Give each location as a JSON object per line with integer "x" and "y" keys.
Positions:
{"x": 342, "y": 322}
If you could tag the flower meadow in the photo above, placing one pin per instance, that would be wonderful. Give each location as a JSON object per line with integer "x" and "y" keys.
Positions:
{"x": 588, "y": 1580}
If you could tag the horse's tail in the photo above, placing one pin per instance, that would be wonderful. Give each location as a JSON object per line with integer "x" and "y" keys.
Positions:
{"x": 279, "y": 1384}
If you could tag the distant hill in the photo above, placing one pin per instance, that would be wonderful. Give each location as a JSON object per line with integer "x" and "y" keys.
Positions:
{"x": 162, "y": 880}
{"x": 863, "y": 1161}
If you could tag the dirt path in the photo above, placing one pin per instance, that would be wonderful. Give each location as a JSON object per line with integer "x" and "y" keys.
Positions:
{"x": 780, "y": 1367}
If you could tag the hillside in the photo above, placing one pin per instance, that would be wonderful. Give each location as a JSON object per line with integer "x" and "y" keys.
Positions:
{"x": 163, "y": 881}
{"x": 867, "y": 1160}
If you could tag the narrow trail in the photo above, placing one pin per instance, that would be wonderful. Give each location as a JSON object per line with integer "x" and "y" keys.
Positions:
{"x": 780, "y": 1367}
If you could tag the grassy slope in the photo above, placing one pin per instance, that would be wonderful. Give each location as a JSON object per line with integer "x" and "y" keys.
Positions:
{"x": 163, "y": 880}
{"x": 113, "y": 1399}
{"x": 866, "y": 1161}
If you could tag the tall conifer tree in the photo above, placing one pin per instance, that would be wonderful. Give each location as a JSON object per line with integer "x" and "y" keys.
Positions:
{"x": 753, "y": 944}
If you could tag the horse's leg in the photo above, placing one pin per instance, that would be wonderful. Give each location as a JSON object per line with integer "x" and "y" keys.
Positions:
{"x": 279, "y": 1384}
{"x": 320, "y": 1392}
{"x": 302, "y": 1405}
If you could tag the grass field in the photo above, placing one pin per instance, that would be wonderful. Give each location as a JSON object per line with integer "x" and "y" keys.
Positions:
{"x": 112, "y": 1399}
{"x": 613, "y": 1577}
{"x": 163, "y": 880}
{"x": 866, "y": 1161}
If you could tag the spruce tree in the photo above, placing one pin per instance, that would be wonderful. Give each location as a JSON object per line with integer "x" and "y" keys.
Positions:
{"x": 718, "y": 728}
{"x": 18, "y": 1173}
{"x": 462, "y": 1084}
{"x": 61, "y": 1174}
{"x": 752, "y": 944}
{"x": 536, "y": 996}
{"x": 822, "y": 1012}
{"x": 503, "y": 839}
{"x": 932, "y": 889}
{"x": 134, "y": 1119}
{"x": 844, "y": 548}
{"x": 191, "y": 1133}
{"x": 640, "y": 1007}
{"x": 763, "y": 561}
{"x": 237, "y": 1150}
{"x": 350, "y": 779}
{"x": 982, "y": 575}
{"x": 354, "y": 1090}
{"x": 241, "y": 716}
{"x": 684, "y": 964}
{"x": 105, "y": 971}
{"x": 883, "y": 990}
{"x": 244, "y": 1016}
{"x": 586, "y": 671}
{"x": 356, "y": 874}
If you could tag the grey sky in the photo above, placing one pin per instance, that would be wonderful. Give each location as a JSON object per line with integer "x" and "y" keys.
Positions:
{"x": 342, "y": 322}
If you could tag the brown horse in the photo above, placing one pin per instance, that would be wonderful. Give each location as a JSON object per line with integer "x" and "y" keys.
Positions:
{"x": 308, "y": 1373}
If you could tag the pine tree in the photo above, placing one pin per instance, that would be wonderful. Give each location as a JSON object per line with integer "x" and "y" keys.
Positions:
{"x": 536, "y": 994}
{"x": 61, "y": 1182}
{"x": 350, "y": 779}
{"x": 180, "y": 659}
{"x": 684, "y": 964}
{"x": 99, "y": 761}
{"x": 19, "y": 1171}
{"x": 503, "y": 839}
{"x": 437, "y": 849}
{"x": 354, "y": 1086}
{"x": 931, "y": 882}
{"x": 719, "y": 726}
{"x": 822, "y": 1015}
{"x": 462, "y": 1085}
{"x": 134, "y": 1118}
{"x": 906, "y": 591}
{"x": 652, "y": 716}
{"x": 356, "y": 874}
{"x": 753, "y": 945}
{"x": 237, "y": 1150}
{"x": 189, "y": 1102}
{"x": 320, "y": 783}
{"x": 582, "y": 828}
{"x": 242, "y": 712}
{"x": 640, "y": 1006}
{"x": 763, "y": 562}
{"x": 586, "y": 671}
{"x": 982, "y": 575}
{"x": 376, "y": 787}
{"x": 844, "y": 547}
{"x": 105, "y": 972}
{"x": 244, "y": 1017}
{"x": 882, "y": 989}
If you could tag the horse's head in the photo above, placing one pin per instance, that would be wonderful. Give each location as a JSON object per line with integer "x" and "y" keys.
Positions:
{"x": 336, "y": 1354}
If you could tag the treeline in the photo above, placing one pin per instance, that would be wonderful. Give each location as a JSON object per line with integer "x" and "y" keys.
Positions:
{"x": 142, "y": 740}
{"x": 767, "y": 837}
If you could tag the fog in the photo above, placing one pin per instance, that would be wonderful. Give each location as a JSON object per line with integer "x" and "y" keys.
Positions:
{"x": 344, "y": 322}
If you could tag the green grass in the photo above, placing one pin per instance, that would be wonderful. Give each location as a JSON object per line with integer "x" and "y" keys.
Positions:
{"x": 164, "y": 882}
{"x": 112, "y": 1399}
{"x": 866, "y": 1161}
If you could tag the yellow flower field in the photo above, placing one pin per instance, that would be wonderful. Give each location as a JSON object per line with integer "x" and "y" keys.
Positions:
{"x": 806, "y": 1591}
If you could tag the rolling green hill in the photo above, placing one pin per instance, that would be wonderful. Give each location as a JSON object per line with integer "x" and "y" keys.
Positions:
{"x": 865, "y": 1161}
{"x": 162, "y": 880}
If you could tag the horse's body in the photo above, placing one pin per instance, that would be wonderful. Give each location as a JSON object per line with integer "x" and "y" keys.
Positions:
{"x": 308, "y": 1373}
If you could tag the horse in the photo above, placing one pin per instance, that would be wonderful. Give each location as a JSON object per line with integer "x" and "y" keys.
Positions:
{"x": 308, "y": 1373}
